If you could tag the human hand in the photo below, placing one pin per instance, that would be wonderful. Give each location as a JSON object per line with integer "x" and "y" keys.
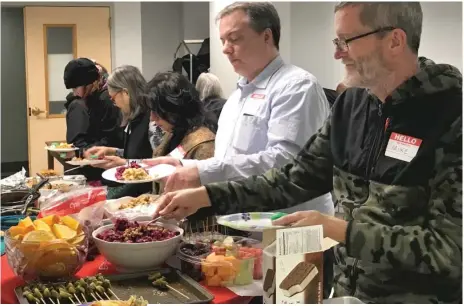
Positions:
{"x": 183, "y": 178}
{"x": 162, "y": 160}
{"x": 99, "y": 151}
{"x": 333, "y": 227}
{"x": 111, "y": 162}
{"x": 181, "y": 204}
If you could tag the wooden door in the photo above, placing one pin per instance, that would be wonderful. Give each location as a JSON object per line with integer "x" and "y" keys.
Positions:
{"x": 54, "y": 36}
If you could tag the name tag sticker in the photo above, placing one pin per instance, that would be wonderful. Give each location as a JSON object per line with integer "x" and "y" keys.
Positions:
{"x": 402, "y": 147}
{"x": 258, "y": 96}
{"x": 178, "y": 152}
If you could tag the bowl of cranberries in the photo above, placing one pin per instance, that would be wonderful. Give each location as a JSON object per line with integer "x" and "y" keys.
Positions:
{"x": 132, "y": 245}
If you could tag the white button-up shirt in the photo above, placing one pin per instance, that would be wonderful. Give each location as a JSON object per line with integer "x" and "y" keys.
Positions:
{"x": 264, "y": 124}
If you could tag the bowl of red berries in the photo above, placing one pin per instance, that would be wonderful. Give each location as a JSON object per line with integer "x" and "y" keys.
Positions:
{"x": 132, "y": 245}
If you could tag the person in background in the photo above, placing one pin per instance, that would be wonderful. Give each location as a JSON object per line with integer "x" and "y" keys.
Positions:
{"x": 91, "y": 118}
{"x": 176, "y": 108}
{"x": 210, "y": 90}
{"x": 267, "y": 120}
{"x": 392, "y": 152}
{"x": 126, "y": 87}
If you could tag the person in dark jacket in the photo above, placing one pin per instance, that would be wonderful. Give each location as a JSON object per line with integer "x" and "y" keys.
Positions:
{"x": 91, "y": 119}
{"x": 126, "y": 87}
{"x": 391, "y": 151}
{"x": 210, "y": 91}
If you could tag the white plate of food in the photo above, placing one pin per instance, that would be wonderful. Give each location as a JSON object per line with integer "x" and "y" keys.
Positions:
{"x": 61, "y": 147}
{"x": 78, "y": 161}
{"x": 129, "y": 207}
{"x": 137, "y": 173}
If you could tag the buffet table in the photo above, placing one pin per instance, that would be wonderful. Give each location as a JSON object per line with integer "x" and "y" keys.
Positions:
{"x": 99, "y": 265}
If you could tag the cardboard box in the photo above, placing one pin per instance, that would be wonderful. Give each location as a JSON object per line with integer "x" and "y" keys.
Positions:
{"x": 293, "y": 265}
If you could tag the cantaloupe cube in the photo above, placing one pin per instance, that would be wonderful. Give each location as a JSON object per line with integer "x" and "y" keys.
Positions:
{"x": 50, "y": 220}
{"x": 26, "y": 222}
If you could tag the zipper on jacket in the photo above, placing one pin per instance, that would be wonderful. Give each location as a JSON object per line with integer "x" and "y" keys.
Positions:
{"x": 373, "y": 154}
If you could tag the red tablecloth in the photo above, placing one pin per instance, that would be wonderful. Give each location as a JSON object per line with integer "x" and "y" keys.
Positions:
{"x": 99, "y": 265}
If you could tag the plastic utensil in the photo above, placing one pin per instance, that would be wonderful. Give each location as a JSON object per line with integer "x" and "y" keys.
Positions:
{"x": 277, "y": 216}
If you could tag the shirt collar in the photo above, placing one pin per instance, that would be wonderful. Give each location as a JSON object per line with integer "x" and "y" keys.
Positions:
{"x": 264, "y": 77}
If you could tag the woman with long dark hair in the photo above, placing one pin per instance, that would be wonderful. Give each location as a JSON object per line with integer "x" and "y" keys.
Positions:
{"x": 176, "y": 108}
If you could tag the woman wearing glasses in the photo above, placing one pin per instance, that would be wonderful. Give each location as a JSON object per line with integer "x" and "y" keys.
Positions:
{"x": 126, "y": 87}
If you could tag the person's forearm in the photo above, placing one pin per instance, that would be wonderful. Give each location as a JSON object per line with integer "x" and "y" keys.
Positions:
{"x": 335, "y": 228}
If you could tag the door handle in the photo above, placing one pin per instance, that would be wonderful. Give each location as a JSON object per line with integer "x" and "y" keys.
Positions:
{"x": 35, "y": 111}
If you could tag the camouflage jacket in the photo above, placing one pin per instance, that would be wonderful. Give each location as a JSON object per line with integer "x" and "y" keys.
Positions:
{"x": 404, "y": 237}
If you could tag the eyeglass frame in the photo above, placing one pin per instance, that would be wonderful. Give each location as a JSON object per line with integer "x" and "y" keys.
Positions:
{"x": 338, "y": 41}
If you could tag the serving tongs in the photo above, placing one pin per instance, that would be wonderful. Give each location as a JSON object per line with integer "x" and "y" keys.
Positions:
{"x": 28, "y": 198}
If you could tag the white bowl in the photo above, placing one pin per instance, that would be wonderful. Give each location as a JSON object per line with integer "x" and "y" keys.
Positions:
{"x": 138, "y": 256}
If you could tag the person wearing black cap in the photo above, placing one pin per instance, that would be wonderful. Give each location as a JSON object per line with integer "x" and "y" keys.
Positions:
{"x": 92, "y": 119}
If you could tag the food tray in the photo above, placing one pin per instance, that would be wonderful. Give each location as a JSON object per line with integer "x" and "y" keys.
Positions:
{"x": 125, "y": 285}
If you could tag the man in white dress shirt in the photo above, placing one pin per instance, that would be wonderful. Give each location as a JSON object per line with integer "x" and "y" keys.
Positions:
{"x": 266, "y": 121}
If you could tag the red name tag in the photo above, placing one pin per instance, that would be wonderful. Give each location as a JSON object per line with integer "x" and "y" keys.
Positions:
{"x": 258, "y": 96}
{"x": 402, "y": 147}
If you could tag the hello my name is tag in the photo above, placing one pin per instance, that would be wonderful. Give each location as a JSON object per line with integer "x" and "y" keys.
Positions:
{"x": 402, "y": 147}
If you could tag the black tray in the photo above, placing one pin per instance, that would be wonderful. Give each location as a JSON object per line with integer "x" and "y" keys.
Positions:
{"x": 125, "y": 285}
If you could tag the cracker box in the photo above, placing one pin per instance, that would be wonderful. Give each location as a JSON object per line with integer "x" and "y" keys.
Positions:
{"x": 293, "y": 265}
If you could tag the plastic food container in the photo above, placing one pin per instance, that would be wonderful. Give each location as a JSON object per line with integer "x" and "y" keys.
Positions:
{"x": 219, "y": 266}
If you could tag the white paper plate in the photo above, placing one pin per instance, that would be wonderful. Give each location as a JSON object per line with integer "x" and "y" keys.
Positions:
{"x": 53, "y": 149}
{"x": 248, "y": 222}
{"x": 86, "y": 162}
{"x": 156, "y": 173}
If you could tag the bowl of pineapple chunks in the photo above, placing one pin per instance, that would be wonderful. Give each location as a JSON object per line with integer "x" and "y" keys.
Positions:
{"x": 50, "y": 248}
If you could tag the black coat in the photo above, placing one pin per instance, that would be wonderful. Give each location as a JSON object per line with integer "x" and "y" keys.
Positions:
{"x": 93, "y": 121}
{"x": 136, "y": 146}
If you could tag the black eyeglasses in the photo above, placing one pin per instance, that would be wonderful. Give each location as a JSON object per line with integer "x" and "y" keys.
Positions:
{"x": 342, "y": 44}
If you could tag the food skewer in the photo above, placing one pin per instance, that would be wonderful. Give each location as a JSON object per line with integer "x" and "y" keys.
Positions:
{"x": 46, "y": 293}
{"x": 94, "y": 290}
{"x": 64, "y": 294}
{"x": 82, "y": 291}
{"x": 72, "y": 291}
{"x": 56, "y": 295}
{"x": 107, "y": 285}
{"x": 36, "y": 292}
{"x": 159, "y": 281}
{"x": 30, "y": 297}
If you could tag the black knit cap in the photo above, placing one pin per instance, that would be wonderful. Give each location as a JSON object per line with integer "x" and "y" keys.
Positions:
{"x": 80, "y": 72}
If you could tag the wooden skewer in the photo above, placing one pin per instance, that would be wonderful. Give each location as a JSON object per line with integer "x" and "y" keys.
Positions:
{"x": 99, "y": 296}
{"x": 96, "y": 299}
{"x": 51, "y": 301}
{"x": 112, "y": 292}
{"x": 75, "y": 295}
{"x": 178, "y": 292}
{"x": 58, "y": 301}
{"x": 70, "y": 298}
{"x": 43, "y": 301}
{"x": 107, "y": 296}
{"x": 83, "y": 296}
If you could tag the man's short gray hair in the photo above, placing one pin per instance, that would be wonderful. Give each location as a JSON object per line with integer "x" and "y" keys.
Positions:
{"x": 131, "y": 79}
{"x": 262, "y": 16}
{"x": 209, "y": 86}
{"x": 402, "y": 15}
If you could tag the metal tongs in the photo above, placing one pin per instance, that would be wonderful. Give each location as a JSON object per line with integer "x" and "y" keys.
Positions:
{"x": 28, "y": 198}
